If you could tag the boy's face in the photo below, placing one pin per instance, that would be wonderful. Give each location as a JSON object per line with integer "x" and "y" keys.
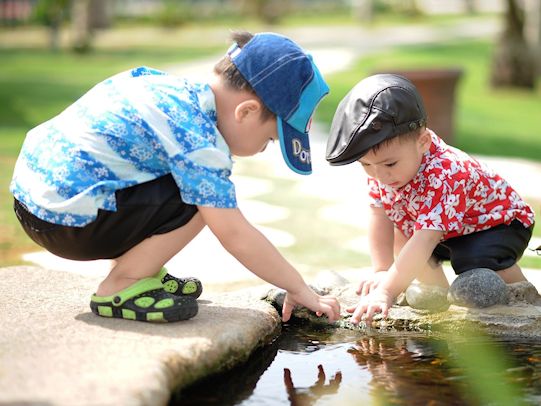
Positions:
{"x": 396, "y": 163}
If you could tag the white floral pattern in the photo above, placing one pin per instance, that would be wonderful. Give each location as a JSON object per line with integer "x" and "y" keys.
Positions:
{"x": 451, "y": 192}
{"x": 131, "y": 128}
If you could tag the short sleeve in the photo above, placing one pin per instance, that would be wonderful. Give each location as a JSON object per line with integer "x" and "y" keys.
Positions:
{"x": 374, "y": 193}
{"x": 443, "y": 204}
{"x": 203, "y": 185}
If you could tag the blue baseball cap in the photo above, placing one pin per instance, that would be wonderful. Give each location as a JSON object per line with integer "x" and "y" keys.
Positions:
{"x": 288, "y": 82}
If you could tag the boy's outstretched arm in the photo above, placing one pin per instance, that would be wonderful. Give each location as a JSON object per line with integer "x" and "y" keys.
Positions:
{"x": 415, "y": 253}
{"x": 255, "y": 252}
{"x": 380, "y": 240}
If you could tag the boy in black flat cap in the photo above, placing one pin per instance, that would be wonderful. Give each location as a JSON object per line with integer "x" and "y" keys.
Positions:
{"x": 429, "y": 201}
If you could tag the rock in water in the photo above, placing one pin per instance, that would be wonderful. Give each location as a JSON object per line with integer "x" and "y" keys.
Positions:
{"x": 427, "y": 297}
{"x": 479, "y": 287}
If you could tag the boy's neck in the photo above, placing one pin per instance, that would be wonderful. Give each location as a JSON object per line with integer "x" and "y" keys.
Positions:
{"x": 227, "y": 99}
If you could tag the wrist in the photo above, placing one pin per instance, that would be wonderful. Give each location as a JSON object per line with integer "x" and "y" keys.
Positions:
{"x": 299, "y": 288}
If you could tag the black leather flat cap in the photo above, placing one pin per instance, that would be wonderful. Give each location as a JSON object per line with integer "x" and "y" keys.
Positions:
{"x": 378, "y": 108}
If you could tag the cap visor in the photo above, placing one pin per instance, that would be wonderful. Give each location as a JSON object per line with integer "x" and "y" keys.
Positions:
{"x": 295, "y": 147}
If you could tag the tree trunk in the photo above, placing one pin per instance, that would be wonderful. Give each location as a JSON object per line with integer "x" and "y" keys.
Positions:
{"x": 513, "y": 64}
{"x": 533, "y": 30}
{"x": 363, "y": 10}
{"x": 80, "y": 22}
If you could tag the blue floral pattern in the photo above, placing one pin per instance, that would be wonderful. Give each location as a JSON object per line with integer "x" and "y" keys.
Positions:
{"x": 131, "y": 128}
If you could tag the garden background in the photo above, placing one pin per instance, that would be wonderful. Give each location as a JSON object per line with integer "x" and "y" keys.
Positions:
{"x": 49, "y": 58}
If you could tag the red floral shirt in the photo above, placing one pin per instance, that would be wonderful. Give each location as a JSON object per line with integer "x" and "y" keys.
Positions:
{"x": 452, "y": 192}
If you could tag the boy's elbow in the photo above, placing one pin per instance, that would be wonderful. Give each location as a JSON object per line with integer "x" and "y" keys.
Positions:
{"x": 230, "y": 227}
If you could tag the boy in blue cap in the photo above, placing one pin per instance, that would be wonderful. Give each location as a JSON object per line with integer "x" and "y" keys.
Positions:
{"x": 135, "y": 169}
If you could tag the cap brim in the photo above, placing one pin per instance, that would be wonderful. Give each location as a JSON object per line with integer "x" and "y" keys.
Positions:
{"x": 295, "y": 146}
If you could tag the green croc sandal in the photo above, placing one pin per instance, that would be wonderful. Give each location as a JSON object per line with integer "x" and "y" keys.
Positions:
{"x": 189, "y": 286}
{"x": 145, "y": 300}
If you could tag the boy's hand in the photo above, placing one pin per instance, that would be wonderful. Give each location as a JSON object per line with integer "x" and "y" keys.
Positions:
{"x": 327, "y": 305}
{"x": 371, "y": 282}
{"x": 377, "y": 301}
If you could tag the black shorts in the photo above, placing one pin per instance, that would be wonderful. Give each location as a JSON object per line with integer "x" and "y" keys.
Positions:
{"x": 497, "y": 248}
{"x": 143, "y": 210}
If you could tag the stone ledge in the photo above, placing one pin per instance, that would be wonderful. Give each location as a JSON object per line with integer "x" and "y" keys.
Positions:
{"x": 521, "y": 318}
{"x": 53, "y": 350}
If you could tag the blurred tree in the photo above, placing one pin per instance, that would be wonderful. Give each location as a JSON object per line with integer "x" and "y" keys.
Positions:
{"x": 470, "y": 6}
{"x": 80, "y": 26}
{"x": 174, "y": 13}
{"x": 533, "y": 29}
{"x": 86, "y": 16}
{"x": 52, "y": 13}
{"x": 513, "y": 63}
{"x": 363, "y": 10}
{"x": 270, "y": 11}
{"x": 408, "y": 7}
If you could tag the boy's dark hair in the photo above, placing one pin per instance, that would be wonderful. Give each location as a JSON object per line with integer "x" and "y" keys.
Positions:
{"x": 410, "y": 135}
{"x": 227, "y": 70}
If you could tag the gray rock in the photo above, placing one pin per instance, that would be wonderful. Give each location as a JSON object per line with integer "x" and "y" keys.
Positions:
{"x": 427, "y": 297}
{"x": 523, "y": 292}
{"x": 326, "y": 282}
{"x": 480, "y": 287}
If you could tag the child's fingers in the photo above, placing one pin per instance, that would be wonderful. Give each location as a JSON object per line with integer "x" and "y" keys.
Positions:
{"x": 369, "y": 314}
{"x": 357, "y": 314}
{"x": 287, "y": 308}
{"x": 331, "y": 307}
{"x": 332, "y": 315}
{"x": 373, "y": 309}
{"x": 384, "y": 310}
{"x": 351, "y": 309}
{"x": 366, "y": 289}
{"x": 334, "y": 304}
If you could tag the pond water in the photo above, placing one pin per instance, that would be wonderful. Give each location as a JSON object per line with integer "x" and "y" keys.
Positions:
{"x": 324, "y": 366}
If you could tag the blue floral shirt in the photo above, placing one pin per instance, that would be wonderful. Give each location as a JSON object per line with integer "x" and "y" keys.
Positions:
{"x": 131, "y": 128}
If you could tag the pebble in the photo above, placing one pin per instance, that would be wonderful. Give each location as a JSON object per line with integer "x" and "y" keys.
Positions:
{"x": 427, "y": 297}
{"x": 479, "y": 287}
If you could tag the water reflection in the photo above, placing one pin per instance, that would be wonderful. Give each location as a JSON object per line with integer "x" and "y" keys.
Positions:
{"x": 308, "y": 366}
{"x": 302, "y": 396}
{"x": 407, "y": 370}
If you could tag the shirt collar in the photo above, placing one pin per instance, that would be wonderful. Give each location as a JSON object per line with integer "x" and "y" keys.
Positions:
{"x": 206, "y": 99}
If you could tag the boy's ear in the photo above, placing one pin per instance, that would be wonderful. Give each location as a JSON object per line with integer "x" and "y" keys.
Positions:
{"x": 425, "y": 140}
{"x": 247, "y": 109}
